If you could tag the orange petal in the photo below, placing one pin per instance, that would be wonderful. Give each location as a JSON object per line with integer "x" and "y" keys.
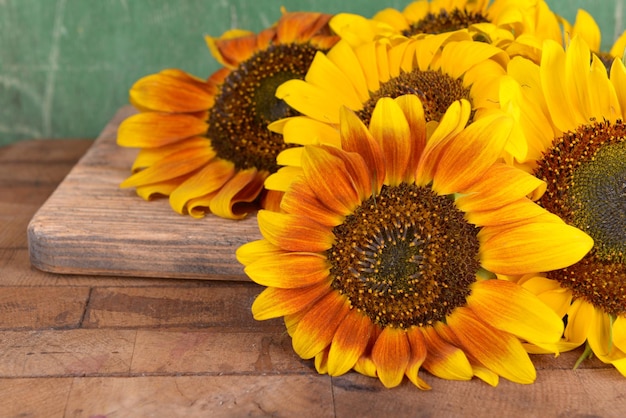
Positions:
{"x": 418, "y": 355}
{"x": 294, "y": 233}
{"x": 328, "y": 178}
{"x": 170, "y": 94}
{"x": 235, "y": 199}
{"x": 274, "y": 302}
{"x": 391, "y": 354}
{"x": 357, "y": 169}
{"x": 170, "y": 167}
{"x": 289, "y": 270}
{"x": 355, "y": 137}
{"x": 443, "y": 359}
{"x": 316, "y": 329}
{"x": 300, "y": 200}
{"x": 472, "y": 152}
{"x": 498, "y": 351}
{"x": 499, "y": 186}
{"x": 149, "y": 156}
{"x": 349, "y": 343}
{"x": 412, "y": 107}
{"x": 149, "y": 130}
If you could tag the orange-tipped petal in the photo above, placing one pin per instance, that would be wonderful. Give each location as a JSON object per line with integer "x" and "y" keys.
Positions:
{"x": 443, "y": 359}
{"x": 391, "y": 354}
{"x": 499, "y": 351}
{"x": 316, "y": 329}
{"x": 170, "y": 94}
{"x": 294, "y": 233}
{"x": 289, "y": 270}
{"x": 349, "y": 343}
{"x": 149, "y": 130}
{"x": 274, "y": 302}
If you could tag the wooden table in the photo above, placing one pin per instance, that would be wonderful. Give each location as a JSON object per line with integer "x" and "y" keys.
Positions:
{"x": 95, "y": 346}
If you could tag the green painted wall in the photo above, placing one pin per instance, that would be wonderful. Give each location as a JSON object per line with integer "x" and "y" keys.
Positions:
{"x": 67, "y": 65}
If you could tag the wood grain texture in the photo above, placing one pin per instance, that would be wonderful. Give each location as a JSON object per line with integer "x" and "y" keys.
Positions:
{"x": 117, "y": 346}
{"x": 90, "y": 226}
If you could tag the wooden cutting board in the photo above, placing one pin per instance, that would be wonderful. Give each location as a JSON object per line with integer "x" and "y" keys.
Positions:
{"x": 90, "y": 226}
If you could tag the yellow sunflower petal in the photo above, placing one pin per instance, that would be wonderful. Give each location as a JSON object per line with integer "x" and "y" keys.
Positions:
{"x": 552, "y": 69}
{"x": 520, "y": 211}
{"x": 306, "y": 131}
{"x": 550, "y": 292}
{"x": 619, "y": 332}
{"x": 294, "y": 233}
{"x": 599, "y": 337}
{"x": 149, "y": 130}
{"x": 310, "y": 100}
{"x": 499, "y": 351}
{"x": 349, "y": 342}
{"x": 234, "y": 200}
{"x": 618, "y": 79}
{"x": 391, "y": 354}
{"x": 289, "y": 270}
{"x": 274, "y": 302}
{"x": 345, "y": 59}
{"x": 149, "y": 156}
{"x": 164, "y": 188}
{"x": 586, "y": 27}
{"x": 210, "y": 178}
{"x": 443, "y": 359}
{"x": 317, "y": 328}
{"x": 578, "y": 321}
{"x": 536, "y": 246}
{"x": 282, "y": 179}
{"x": 391, "y": 129}
{"x": 325, "y": 75}
{"x": 509, "y": 307}
{"x": 253, "y": 250}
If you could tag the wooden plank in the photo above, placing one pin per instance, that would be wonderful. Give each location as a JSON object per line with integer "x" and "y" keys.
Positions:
{"x": 202, "y": 396}
{"x": 34, "y": 397}
{"x": 216, "y": 351}
{"x": 42, "y": 307}
{"x": 556, "y": 393}
{"x": 66, "y": 353}
{"x": 15, "y": 270}
{"x": 220, "y": 304}
{"x": 90, "y": 226}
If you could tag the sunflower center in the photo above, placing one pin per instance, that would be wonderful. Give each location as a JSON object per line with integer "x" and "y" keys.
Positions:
{"x": 247, "y": 104}
{"x": 586, "y": 175}
{"x": 405, "y": 257}
{"x": 444, "y": 21}
{"x": 436, "y": 90}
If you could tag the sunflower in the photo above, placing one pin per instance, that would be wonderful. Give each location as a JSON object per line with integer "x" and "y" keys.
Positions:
{"x": 381, "y": 256}
{"x": 439, "y": 70}
{"x": 581, "y": 155}
{"x": 517, "y": 26}
{"x": 205, "y": 143}
{"x": 586, "y": 27}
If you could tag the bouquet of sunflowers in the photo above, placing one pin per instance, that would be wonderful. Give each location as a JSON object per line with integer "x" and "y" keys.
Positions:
{"x": 439, "y": 189}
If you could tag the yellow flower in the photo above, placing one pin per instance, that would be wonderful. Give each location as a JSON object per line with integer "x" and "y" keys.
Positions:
{"x": 205, "y": 144}
{"x": 376, "y": 259}
{"x": 439, "y": 70}
{"x": 573, "y": 111}
{"x": 586, "y": 27}
{"x": 517, "y": 26}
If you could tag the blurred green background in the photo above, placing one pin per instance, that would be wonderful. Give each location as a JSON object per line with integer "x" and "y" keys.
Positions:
{"x": 66, "y": 65}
